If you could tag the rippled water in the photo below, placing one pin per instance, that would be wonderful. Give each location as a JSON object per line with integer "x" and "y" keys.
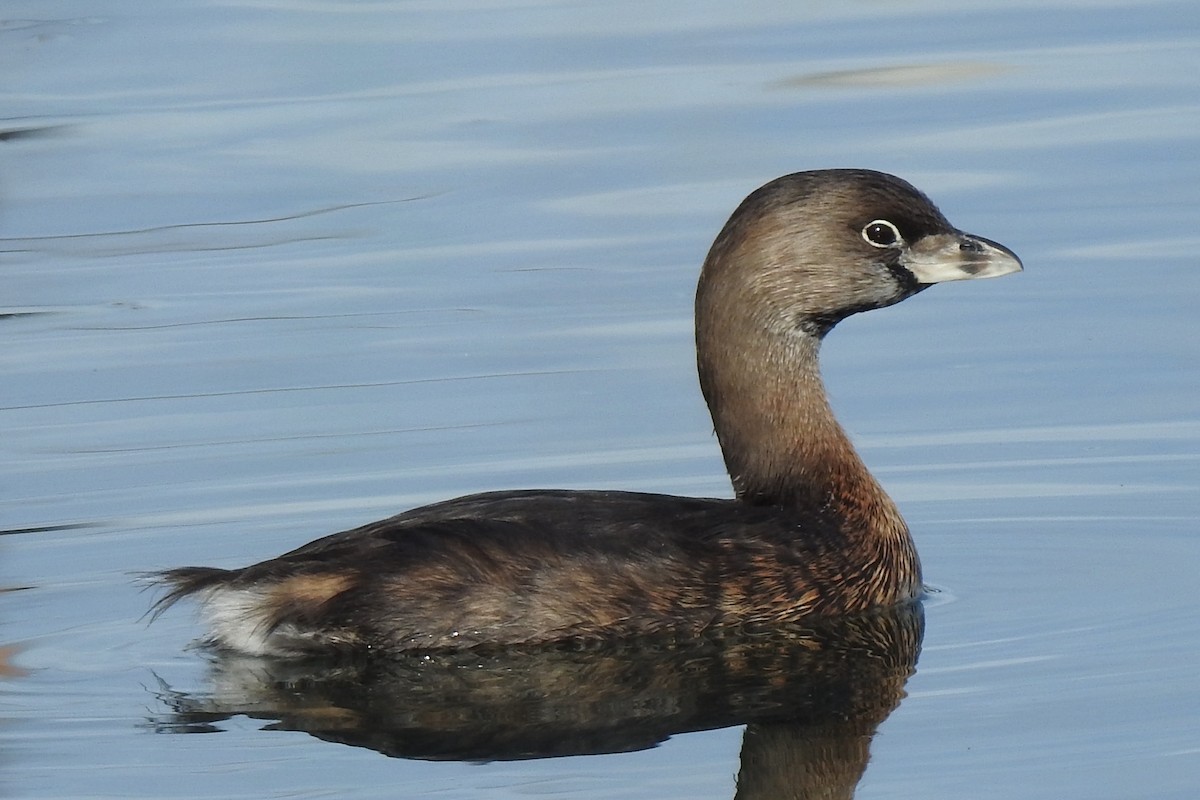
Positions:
{"x": 270, "y": 270}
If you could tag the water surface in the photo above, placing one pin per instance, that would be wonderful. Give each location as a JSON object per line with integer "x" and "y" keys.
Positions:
{"x": 273, "y": 270}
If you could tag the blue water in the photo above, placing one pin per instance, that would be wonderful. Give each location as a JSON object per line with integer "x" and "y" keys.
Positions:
{"x": 271, "y": 270}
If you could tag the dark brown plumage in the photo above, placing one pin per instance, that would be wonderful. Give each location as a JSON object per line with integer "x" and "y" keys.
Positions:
{"x": 810, "y": 531}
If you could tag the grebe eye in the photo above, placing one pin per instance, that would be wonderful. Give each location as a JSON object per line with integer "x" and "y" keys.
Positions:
{"x": 881, "y": 233}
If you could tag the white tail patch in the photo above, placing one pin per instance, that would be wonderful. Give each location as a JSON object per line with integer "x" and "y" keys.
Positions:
{"x": 239, "y": 619}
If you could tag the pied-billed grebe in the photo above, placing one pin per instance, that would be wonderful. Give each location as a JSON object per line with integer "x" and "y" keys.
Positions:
{"x": 810, "y": 531}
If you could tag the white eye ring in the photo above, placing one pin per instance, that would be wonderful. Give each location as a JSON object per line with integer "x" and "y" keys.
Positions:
{"x": 881, "y": 233}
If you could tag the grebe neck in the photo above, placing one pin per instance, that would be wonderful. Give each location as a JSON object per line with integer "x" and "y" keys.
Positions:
{"x": 781, "y": 442}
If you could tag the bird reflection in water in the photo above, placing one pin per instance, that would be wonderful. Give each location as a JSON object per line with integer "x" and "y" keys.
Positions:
{"x": 811, "y": 697}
